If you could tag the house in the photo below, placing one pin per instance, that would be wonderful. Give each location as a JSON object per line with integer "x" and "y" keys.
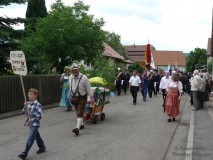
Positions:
{"x": 161, "y": 59}
{"x": 136, "y": 52}
{"x": 114, "y": 56}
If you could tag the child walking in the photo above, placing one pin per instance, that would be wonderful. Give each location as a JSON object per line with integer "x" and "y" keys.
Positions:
{"x": 34, "y": 109}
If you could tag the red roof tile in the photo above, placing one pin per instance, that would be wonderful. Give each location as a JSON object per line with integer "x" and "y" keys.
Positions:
{"x": 110, "y": 52}
{"x": 162, "y": 58}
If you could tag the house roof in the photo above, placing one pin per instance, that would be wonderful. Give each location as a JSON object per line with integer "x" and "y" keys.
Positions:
{"x": 137, "y": 58}
{"x": 162, "y": 58}
{"x": 128, "y": 61}
{"x": 209, "y": 52}
{"x": 110, "y": 52}
{"x": 136, "y": 52}
{"x": 135, "y": 48}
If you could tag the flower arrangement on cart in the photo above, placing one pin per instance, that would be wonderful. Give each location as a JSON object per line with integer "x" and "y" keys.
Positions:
{"x": 101, "y": 94}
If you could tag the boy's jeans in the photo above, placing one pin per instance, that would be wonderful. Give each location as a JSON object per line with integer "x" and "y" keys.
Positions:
{"x": 33, "y": 135}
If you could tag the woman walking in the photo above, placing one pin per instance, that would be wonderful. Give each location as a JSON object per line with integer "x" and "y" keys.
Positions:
{"x": 65, "y": 95}
{"x": 174, "y": 91}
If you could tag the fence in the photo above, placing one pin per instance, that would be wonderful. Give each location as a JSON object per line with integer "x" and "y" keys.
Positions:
{"x": 11, "y": 94}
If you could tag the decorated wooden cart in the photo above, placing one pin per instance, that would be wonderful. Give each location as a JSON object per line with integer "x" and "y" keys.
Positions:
{"x": 101, "y": 95}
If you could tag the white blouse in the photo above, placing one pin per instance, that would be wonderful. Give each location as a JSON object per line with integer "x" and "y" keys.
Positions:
{"x": 65, "y": 76}
{"x": 173, "y": 84}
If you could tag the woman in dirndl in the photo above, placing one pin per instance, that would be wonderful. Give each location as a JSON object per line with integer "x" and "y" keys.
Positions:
{"x": 174, "y": 91}
{"x": 65, "y": 94}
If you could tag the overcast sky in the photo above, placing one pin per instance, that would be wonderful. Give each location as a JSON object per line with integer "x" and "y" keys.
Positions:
{"x": 168, "y": 24}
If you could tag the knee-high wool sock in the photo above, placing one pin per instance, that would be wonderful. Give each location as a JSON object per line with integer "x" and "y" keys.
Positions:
{"x": 79, "y": 122}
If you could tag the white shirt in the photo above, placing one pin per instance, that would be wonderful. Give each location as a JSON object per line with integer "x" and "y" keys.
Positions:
{"x": 65, "y": 76}
{"x": 84, "y": 85}
{"x": 164, "y": 82}
{"x": 134, "y": 81}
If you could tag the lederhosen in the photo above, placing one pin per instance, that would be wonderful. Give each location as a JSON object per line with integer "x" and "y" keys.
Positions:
{"x": 79, "y": 101}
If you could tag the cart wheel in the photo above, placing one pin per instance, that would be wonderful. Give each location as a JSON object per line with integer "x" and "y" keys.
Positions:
{"x": 102, "y": 116}
{"x": 94, "y": 119}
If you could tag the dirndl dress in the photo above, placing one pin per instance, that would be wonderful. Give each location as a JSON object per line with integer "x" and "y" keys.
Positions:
{"x": 172, "y": 102}
{"x": 65, "y": 95}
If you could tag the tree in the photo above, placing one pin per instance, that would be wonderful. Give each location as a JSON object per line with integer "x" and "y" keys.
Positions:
{"x": 210, "y": 66}
{"x": 196, "y": 57}
{"x": 68, "y": 32}
{"x": 35, "y": 10}
{"x": 9, "y": 37}
{"x": 102, "y": 68}
{"x": 135, "y": 66}
{"x": 114, "y": 40}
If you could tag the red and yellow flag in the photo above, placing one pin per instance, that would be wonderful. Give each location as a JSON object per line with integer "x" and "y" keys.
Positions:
{"x": 148, "y": 54}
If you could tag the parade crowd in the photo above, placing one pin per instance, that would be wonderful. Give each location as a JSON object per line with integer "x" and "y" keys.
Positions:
{"x": 77, "y": 92}
{"x": 171, "y": 85}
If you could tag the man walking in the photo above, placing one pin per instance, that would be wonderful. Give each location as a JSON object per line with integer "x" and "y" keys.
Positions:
{"x": 163, "y": 85}
{"x": 144, "y": 86}
{"x": 80, "y": 89}
{"x": 195, "y": 85}
{"x": 118, "y": 82}
{"x": 134, "y": 85}
{"x": 125, "y": 78}
{"x": 201, "y": 90}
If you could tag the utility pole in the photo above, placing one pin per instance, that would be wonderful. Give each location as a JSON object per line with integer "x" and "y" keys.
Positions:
{"x": 212, "y": 36}
{"x": 212, "y": 44}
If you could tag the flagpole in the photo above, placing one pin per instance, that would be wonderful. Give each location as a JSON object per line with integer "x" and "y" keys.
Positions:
{"x": 212, "y": 36}
{"x": 212, "y": 43}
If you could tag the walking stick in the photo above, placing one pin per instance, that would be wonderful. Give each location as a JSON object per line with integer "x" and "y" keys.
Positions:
{"x": 19, "y": 67}
{"x": 25, "y": 99}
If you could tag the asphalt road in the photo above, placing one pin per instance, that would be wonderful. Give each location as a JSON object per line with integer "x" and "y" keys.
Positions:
{"x": 129, "y": 132}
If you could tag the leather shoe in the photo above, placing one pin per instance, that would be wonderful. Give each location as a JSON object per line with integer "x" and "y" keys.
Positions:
{"x": 173, "y": 119}
{"x": 41, "y": 150}
{"x": 69, "y": 109}
{"x": 76, "y": 131}
{"x": 169, "y": 120}
{"x": 22, "y": 156}
{"x": 81, "y": 127}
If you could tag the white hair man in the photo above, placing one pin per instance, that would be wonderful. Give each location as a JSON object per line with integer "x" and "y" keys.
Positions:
{"x": 80, "y": 88}
{"x": 163, "y": 85}
{"x": 195, "y": 85}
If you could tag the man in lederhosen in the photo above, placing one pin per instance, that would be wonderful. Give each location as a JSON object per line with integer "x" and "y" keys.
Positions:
{"x": 80, "y": 89}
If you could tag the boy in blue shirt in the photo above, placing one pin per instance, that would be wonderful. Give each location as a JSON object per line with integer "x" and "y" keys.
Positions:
{"x": 34, "y": 109}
